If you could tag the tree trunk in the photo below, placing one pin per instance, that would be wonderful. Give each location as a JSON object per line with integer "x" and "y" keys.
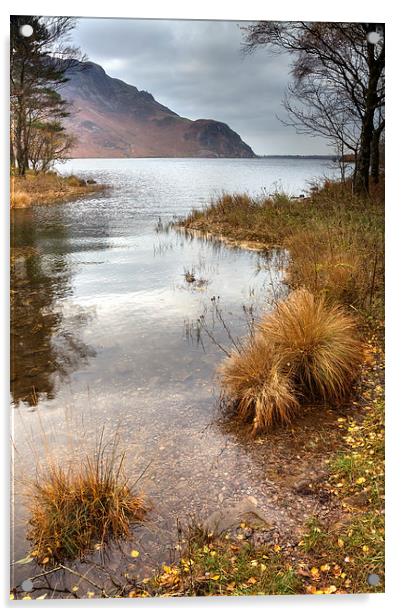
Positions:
{"x": 361, "y": 184}
{"x": 375, "y": 158}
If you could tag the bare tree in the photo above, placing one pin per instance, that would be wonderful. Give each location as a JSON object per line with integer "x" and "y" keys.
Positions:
{"x": 317, "y": 109}
{"x": 338, "y": 80}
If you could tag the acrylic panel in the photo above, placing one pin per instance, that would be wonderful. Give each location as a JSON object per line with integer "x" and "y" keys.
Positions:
{"x": 197, "y": 300}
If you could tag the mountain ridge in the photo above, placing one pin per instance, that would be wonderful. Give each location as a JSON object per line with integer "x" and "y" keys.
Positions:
{"x": 112, "y": 119}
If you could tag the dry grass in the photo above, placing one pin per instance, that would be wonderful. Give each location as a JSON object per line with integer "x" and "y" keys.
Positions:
{"x": 20, "y": 199}
{"x": 72, "y": 509}
{"x": 306, "y": 349}
{"x": 252, "y": 377}
{"x": 335, "y": 239}
{"x": 317, "y": 342}
{"x": 339, "y": 264}
{"x": 49, "y": 187}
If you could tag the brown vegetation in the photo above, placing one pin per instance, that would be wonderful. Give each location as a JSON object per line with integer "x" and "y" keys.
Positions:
{"x": 73, "y": 508}
{"x": 50, "y": 187}
{"x": 317, "y": 342}
{"x": 305, "y": 349}
{"x": 19, "y": 199}
{"x": 252, "y": 379}
{"x": 335, "y": 238}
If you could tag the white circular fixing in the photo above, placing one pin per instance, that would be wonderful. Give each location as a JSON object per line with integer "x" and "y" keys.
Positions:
{"x": 27, "y": 585}
{"x": 373, "y": 37}
{"x": 26, "y": 30}
{"x": 373, "y": 579}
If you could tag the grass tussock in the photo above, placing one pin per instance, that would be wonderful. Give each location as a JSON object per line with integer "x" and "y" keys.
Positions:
{"x": 253, "y": 380}
{"x": 20, "y": 199}
{"x": 306, "y": 349}
{"x": 48, "y": 187}
{"x": 72, "y": 509}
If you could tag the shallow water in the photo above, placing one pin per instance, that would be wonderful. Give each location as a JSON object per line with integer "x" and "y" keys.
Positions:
{"x": 105, "y": 333}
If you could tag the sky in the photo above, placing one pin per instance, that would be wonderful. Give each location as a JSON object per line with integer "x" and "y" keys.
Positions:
{"x": 198, "y": 69}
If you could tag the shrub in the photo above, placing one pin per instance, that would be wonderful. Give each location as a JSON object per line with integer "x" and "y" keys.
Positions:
{"x": 306, "y": 349}
{"x": 73, "y": 508}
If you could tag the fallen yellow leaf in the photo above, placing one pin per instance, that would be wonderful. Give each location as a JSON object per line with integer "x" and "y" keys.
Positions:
{"x": 134, "y": 553}
{"x": 330, "y": 590}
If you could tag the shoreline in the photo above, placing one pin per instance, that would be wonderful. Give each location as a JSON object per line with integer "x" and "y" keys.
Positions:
{"x": 341, "y": 543}
{"x": 352, "y": 477}
{"x": 49, "y": 188}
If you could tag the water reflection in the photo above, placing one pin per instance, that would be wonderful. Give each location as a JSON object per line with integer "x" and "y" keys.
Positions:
{"x": 45, "y": 346}
{"x": 100, "y": 296}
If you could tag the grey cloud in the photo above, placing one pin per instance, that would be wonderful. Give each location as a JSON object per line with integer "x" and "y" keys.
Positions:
{"x": 197, "y": 69}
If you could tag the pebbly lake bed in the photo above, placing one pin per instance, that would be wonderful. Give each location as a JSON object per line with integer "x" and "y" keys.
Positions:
{"x": 105, "y": 335}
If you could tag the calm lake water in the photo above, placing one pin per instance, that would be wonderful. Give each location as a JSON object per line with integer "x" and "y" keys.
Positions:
{"x": 105, "y": 334}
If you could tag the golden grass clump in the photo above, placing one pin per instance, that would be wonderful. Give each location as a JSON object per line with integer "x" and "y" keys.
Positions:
{"x": 20, "y": 199}
{"x": 262, "y": 392}
{"x": 306, "y": 349}
{"x": 316, "y": 342}
{"x": 72, "y": 509}
{"x": 72, "y": 180}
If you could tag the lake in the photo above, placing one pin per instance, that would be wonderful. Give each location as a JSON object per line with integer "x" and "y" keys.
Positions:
{"x": 106, "y": 335}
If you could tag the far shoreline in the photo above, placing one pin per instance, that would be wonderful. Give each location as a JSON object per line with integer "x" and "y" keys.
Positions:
{"x": 328, "y": 157}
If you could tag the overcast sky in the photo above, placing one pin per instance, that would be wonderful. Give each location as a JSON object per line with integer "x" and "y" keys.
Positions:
{"x": 197, "y": 69}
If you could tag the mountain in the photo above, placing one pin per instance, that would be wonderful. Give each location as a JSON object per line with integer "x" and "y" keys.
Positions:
{"x": 112, "y": 119}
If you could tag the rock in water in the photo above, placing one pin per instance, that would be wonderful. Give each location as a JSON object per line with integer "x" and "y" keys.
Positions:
{"x": 228, "y": 518}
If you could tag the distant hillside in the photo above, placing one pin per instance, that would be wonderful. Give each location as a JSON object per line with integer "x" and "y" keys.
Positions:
{"x": 112, "y": 119}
